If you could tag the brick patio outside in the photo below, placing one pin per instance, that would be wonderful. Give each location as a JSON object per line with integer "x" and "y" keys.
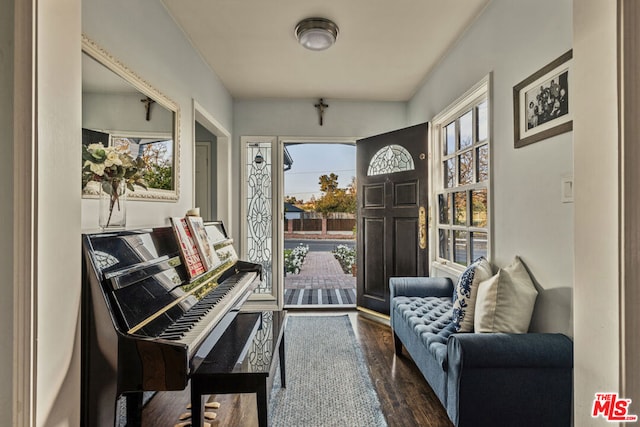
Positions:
{"x": 320, "y": 270}
{"x": 320, "y": 283}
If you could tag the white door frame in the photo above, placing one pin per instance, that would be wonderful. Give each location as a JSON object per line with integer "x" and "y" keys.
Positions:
{"x": 25, "y": 308}
{"x": 276, "y": 299}
{"x": 223, "y": 162}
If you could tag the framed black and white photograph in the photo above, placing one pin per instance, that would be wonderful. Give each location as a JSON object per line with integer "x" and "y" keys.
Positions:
{"x": 541, "y": 106}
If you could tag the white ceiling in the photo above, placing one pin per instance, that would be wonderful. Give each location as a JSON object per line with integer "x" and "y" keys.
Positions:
{"x": 384, "y": 50}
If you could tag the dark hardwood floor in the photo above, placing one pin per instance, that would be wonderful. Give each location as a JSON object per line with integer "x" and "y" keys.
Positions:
{"x": 405, "y": 397}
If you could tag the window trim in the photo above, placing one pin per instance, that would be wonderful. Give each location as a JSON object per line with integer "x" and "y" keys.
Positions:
{"x": 466, "y": 102}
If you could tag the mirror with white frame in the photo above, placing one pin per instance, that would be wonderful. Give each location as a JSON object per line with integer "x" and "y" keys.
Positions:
{"x": 121, "y": 109}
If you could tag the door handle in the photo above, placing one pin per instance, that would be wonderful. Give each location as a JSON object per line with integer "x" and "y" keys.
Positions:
{"x": 422, "y": 227}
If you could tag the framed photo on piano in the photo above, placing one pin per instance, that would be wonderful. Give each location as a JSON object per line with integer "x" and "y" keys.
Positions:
{"x": 216, "y": 231}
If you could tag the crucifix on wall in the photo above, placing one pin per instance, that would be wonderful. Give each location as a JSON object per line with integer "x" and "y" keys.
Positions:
{"x": 321, "y": 106}
{"x": 147, "y": 106}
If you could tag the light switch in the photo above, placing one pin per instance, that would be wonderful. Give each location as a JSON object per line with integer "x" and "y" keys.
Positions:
{"x": 567, "y": 190}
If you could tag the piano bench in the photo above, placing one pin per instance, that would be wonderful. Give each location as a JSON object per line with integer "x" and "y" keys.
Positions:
{"x": 226, "y": 369}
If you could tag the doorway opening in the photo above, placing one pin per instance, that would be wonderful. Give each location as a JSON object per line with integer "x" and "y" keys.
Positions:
{"x": 211, "y": 160}
{"x": 319, "y": 224}
{"x": 205, "y": 172}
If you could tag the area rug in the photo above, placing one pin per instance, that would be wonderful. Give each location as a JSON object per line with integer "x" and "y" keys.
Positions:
{"x": 320, "y": 297}
{"x": 328, "y": 383}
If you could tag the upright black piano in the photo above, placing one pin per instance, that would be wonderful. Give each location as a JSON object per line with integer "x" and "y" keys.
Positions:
{"x": 145, "y": 324}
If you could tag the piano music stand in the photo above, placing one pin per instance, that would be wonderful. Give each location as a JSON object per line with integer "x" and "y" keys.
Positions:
{"x": 223, "y": 370}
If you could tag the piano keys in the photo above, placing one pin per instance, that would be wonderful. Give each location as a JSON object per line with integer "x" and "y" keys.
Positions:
{"x": 145, "y": 324}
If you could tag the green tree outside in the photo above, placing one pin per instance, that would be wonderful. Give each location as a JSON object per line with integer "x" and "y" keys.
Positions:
{"x": 335, "y": 199}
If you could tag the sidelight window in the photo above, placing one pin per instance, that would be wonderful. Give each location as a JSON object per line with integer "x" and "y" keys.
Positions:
{"x": 462, "y": 153}
{"x": 258, "y": 208}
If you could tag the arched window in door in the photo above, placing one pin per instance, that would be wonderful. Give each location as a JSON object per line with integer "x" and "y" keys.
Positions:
{"x": 390, "y": 159}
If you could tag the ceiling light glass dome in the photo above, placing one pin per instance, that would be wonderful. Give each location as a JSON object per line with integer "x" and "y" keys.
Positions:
{"x": 316, "y": 33}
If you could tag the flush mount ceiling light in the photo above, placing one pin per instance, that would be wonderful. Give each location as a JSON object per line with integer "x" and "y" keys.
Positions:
{"x": 316, "y": 33}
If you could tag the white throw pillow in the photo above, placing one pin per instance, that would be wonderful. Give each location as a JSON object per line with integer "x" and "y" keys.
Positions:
{"x": 464, "y": 296}
{"x": 505, "y": 301}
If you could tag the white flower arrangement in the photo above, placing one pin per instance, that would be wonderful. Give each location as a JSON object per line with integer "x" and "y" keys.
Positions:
{"x": 109, "y": 164}
{"x": 293, "y": 258}
{"x": 111, "y": 167}
{"x": 346, "y": 256}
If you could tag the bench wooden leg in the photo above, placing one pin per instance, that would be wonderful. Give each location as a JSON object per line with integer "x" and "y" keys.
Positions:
{"x": 262, "y": 401}
{"x": 196, "y": 407}
{"x": 397, "y": 344}
{"x": 134, "y": 408}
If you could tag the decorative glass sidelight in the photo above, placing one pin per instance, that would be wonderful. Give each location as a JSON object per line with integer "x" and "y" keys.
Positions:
{"x": 260, "y": 352}
{"x": 259, "y": 211}
{"x": 390, "y": 159}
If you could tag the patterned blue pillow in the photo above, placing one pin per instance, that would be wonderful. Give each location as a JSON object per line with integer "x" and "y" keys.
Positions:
{"x": 465, "y": 292}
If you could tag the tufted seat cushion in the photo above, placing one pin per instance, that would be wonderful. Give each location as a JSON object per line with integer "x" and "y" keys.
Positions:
{"x": 430, "y": 318}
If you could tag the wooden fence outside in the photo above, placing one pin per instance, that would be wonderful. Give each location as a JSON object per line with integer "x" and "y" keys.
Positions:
{"x": 314, "y": 223}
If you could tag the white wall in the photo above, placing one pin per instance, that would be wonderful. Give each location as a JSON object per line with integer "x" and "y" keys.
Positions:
{"x": 597, "y": 365}
{"x": 123, "y": 112}
{"x": 145, "y": 38}
{"x": 58, "y": 252}
{"x": 299, "y": 118}
{"x": 6, "y": 206}
{"x": 512, "y": 40}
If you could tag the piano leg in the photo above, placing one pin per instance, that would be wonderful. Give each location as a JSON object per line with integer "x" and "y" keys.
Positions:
{"x": 196, "y": 406}
{"x": 134, "y": 409}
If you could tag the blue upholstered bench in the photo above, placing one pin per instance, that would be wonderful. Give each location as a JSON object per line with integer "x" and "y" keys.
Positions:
{"x": 488, "y": 379}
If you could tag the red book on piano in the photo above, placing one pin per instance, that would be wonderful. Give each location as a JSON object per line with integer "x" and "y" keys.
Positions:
{"x": 188, "y": 249}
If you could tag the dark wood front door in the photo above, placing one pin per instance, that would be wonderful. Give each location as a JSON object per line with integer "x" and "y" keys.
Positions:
{"x": 392, "y": 216}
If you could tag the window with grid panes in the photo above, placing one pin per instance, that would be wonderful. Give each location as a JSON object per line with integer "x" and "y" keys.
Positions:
{"x": 463, "y": 186}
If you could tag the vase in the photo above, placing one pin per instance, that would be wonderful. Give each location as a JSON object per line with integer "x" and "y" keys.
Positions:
{"x": 113, "y": 204}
